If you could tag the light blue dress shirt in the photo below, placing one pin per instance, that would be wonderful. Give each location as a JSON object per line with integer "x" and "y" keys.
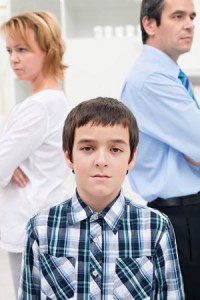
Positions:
{"x": 169, "y": 123}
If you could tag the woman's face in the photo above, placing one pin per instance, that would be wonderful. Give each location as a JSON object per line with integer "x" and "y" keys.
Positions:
{"x": 26, "y": 61}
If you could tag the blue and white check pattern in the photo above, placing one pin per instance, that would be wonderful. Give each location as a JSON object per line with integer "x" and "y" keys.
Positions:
{"x": 127, "y": 251}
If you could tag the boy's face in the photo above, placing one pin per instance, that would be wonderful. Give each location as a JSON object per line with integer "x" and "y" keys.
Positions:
{"x": 100, "y": 162}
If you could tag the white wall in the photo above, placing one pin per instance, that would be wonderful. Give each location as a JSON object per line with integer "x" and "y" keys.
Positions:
{"x": 97, "y": 67}
{"x": 190, "y": 61}
{"x": 6, "y": 102}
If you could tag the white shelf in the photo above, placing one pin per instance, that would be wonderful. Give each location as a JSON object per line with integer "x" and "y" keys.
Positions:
{"x": 83, "y": 16}
{"x": 96, "y": 4}
{"x": 80, "y": 16}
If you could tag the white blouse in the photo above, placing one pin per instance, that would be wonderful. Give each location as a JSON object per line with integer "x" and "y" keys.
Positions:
{"x": 31, "y": 140}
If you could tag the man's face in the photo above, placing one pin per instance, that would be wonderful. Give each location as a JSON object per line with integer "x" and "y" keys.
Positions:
{"x": 174, "y": 35}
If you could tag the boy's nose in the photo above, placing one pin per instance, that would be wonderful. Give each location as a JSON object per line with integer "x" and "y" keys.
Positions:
{"x": 101, "y": 160}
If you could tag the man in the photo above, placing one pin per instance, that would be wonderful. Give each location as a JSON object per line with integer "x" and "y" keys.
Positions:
{"x": 167, "y": 169}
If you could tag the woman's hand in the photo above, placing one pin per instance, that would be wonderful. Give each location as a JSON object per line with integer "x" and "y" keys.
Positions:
{"x": 19, "y": 178}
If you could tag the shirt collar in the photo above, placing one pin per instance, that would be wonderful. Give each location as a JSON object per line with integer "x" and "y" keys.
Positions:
{"x": 77, "y": 210}
{"x": 113, "y": 214}
{"x": 165, "y": 60}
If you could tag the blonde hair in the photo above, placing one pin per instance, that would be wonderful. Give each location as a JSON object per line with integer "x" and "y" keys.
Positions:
{"x": 47, "y": 34}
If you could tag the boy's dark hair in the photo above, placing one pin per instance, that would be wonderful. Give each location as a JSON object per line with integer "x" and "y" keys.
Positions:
{"x": 99, "y": 111}
{"x": 153, "y": 10}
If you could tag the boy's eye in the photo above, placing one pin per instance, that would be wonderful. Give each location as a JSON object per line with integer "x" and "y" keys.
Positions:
{"x": 87, "y": 148}
{"x": 116, "y": 150}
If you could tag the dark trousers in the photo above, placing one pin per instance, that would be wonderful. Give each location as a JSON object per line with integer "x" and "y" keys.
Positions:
{"x": 186, "y": 223}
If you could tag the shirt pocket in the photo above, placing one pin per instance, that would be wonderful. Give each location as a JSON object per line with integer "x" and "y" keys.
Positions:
{"x": 58, "y": 277}
{"x": 133, "y": 278}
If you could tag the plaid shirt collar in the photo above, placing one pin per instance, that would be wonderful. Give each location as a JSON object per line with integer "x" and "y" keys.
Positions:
{"x": 113, "y": 214}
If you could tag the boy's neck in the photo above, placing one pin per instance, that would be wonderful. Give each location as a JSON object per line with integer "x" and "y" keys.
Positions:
{"x": 98, "y": 204}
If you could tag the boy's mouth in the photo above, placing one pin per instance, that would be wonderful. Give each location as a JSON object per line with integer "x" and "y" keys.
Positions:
{"x": 101, "y": 176}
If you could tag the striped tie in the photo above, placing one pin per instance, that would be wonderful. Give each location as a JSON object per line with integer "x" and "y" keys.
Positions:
{"x": 185, "y": 81}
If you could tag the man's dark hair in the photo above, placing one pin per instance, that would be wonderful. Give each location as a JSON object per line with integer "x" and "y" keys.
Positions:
{"x": 152, "y": 9}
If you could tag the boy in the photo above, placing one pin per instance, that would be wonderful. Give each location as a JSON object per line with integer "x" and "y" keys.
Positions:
{"x": 99, "y": 244}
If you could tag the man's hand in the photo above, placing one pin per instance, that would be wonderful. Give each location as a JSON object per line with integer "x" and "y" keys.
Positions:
{"x": 19, "y": 178}
{"x": 193, "y": 162}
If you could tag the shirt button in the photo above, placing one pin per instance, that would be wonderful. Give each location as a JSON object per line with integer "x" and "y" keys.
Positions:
{"x": 94, "y": 217}
{"x": 96, "y": 239}
{"x": 95, "y": 273}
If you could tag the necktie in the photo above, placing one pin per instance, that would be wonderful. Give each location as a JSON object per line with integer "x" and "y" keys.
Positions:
{"x": 185, "y": 81}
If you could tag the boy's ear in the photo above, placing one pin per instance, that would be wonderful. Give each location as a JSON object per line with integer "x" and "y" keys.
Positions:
{"x": 132, "y": 162}
{"x": 69, "y": 162}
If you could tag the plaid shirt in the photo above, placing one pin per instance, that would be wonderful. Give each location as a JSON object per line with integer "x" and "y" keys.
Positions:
{"x": 127, "y": 251}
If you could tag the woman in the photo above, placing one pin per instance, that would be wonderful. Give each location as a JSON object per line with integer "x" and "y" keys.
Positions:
{"x": 32, "y": 163}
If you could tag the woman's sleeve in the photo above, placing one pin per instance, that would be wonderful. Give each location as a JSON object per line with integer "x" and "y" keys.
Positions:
{"x": 24, "y": 133}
